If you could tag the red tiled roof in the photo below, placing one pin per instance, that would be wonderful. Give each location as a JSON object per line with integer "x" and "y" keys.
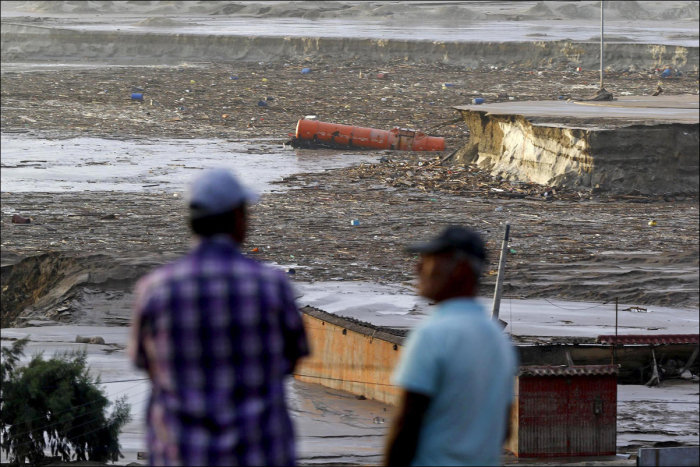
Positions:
{"x": 653, "y": 339}
{"x": 563, "y": 370}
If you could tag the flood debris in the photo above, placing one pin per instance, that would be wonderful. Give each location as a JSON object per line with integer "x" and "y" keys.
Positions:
{"x": 400, "y": 198}
{"x": 601, "y": 95}
{"x": 413, "y": 91}
{"x": 17, "y": 219}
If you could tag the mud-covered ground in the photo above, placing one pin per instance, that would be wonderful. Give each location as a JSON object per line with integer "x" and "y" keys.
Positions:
{"x": 572, "y": 245}
{"x": 245, "y": 100}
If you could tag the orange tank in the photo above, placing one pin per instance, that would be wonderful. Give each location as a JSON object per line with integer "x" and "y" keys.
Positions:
{"x": 332, "y": 134}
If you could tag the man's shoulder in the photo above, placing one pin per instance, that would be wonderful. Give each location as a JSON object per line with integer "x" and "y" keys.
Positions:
{"x": 162, "y": 274}
{"x": 192, "y": 265}
{"x": 273, "y": 275}
{"x": 464, "y": 329}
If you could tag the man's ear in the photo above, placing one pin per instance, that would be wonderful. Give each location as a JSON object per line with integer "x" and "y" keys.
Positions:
{"x": 462, "y": 269}
{"x": 241, "y": 223}
{"x": 463, "y": 274}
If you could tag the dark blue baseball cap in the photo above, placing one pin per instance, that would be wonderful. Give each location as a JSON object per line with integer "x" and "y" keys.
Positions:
{"x": 216, "y": 191}
{"x": 453, "y": 238}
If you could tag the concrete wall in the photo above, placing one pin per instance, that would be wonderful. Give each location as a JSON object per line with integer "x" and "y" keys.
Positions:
{"x": 674, "y": 456}
{"x": 511, "y": 444}
{"x": 350, "y": 356}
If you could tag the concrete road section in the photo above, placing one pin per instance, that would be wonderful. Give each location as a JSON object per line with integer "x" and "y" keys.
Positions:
{"x": 667, "y": 109}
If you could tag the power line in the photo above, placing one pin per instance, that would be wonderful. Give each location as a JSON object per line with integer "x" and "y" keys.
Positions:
{"x": 124, "y": 380}
{"x": 51, "y": 425}
{"x": 575, "y": 309}
{"x": 68, "y": 409}
{"x": 28, "y": 443}
{"x": 345, "y": 380}
{"x": 123, "y": 391}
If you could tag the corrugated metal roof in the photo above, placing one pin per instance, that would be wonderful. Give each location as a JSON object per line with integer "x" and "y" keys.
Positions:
{"x": 651, "y": 339}
{"x": 564, "y": 370}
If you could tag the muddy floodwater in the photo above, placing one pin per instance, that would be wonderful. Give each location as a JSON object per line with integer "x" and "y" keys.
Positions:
{"x": 148, "y": 166}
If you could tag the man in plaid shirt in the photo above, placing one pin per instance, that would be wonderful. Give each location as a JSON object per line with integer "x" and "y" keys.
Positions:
{"x": 217, "y": 333}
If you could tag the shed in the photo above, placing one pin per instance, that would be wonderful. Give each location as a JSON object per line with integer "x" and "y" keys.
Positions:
{"x": 563, "y": 411}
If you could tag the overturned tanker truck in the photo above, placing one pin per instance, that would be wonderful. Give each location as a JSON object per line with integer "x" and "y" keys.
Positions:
{"x": 314, "y": 134}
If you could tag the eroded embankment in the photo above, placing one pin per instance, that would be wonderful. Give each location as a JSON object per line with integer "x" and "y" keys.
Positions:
{"x": 90, "y": 289}
{"x": 30, "y": 43}
{"x": 648, "y": 159}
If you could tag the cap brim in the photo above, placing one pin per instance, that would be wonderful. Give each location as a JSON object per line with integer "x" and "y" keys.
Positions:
{"x": 250, "y": 197}
{"x": 434, "y": 246}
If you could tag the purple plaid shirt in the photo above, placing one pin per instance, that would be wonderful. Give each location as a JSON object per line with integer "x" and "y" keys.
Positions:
{"x": 217, "y": 333}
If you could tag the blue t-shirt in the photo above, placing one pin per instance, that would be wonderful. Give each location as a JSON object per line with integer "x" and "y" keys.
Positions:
{"x": 466, "y": 364}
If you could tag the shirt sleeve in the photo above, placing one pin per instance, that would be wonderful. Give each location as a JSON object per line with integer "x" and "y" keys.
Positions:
{"x": 139, "y": 320}
{"x": 295, "y": 342}
{"x": 419, "y": 368}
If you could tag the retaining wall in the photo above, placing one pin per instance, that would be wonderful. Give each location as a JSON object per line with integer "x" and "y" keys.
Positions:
{"x": 350, "y": 356}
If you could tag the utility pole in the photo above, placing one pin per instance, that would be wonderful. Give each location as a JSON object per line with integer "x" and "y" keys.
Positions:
{"x": 601, "y": 42}
{"x": 499, "y": 279}
{"x": 615, "y": 348}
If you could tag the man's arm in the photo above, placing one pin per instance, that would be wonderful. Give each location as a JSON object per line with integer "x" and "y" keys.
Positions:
{"x": 403, "y": 437}
{"x": 296, "y": 344}
{"x": 135, "y": 347}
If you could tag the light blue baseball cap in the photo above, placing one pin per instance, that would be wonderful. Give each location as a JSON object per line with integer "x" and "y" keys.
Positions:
{"x": 216, "y": 191}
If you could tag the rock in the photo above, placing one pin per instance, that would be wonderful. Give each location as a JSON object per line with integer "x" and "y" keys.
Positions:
{"x": 90, "y": 340}
{"x": 17, "y": 219}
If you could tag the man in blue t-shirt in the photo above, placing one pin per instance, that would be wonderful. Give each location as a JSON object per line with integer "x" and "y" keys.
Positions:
{"x": 457, "y": 369}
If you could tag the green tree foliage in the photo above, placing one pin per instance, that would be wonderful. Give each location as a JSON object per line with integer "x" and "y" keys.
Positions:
{"x": 55, "y": 404}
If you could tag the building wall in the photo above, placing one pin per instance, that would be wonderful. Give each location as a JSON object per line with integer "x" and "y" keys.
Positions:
{"x": 553, "y": 416}
{"x": 511, "y": 443}
{"x": 566, "y": 416}
{"x": 351, "y": 359}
